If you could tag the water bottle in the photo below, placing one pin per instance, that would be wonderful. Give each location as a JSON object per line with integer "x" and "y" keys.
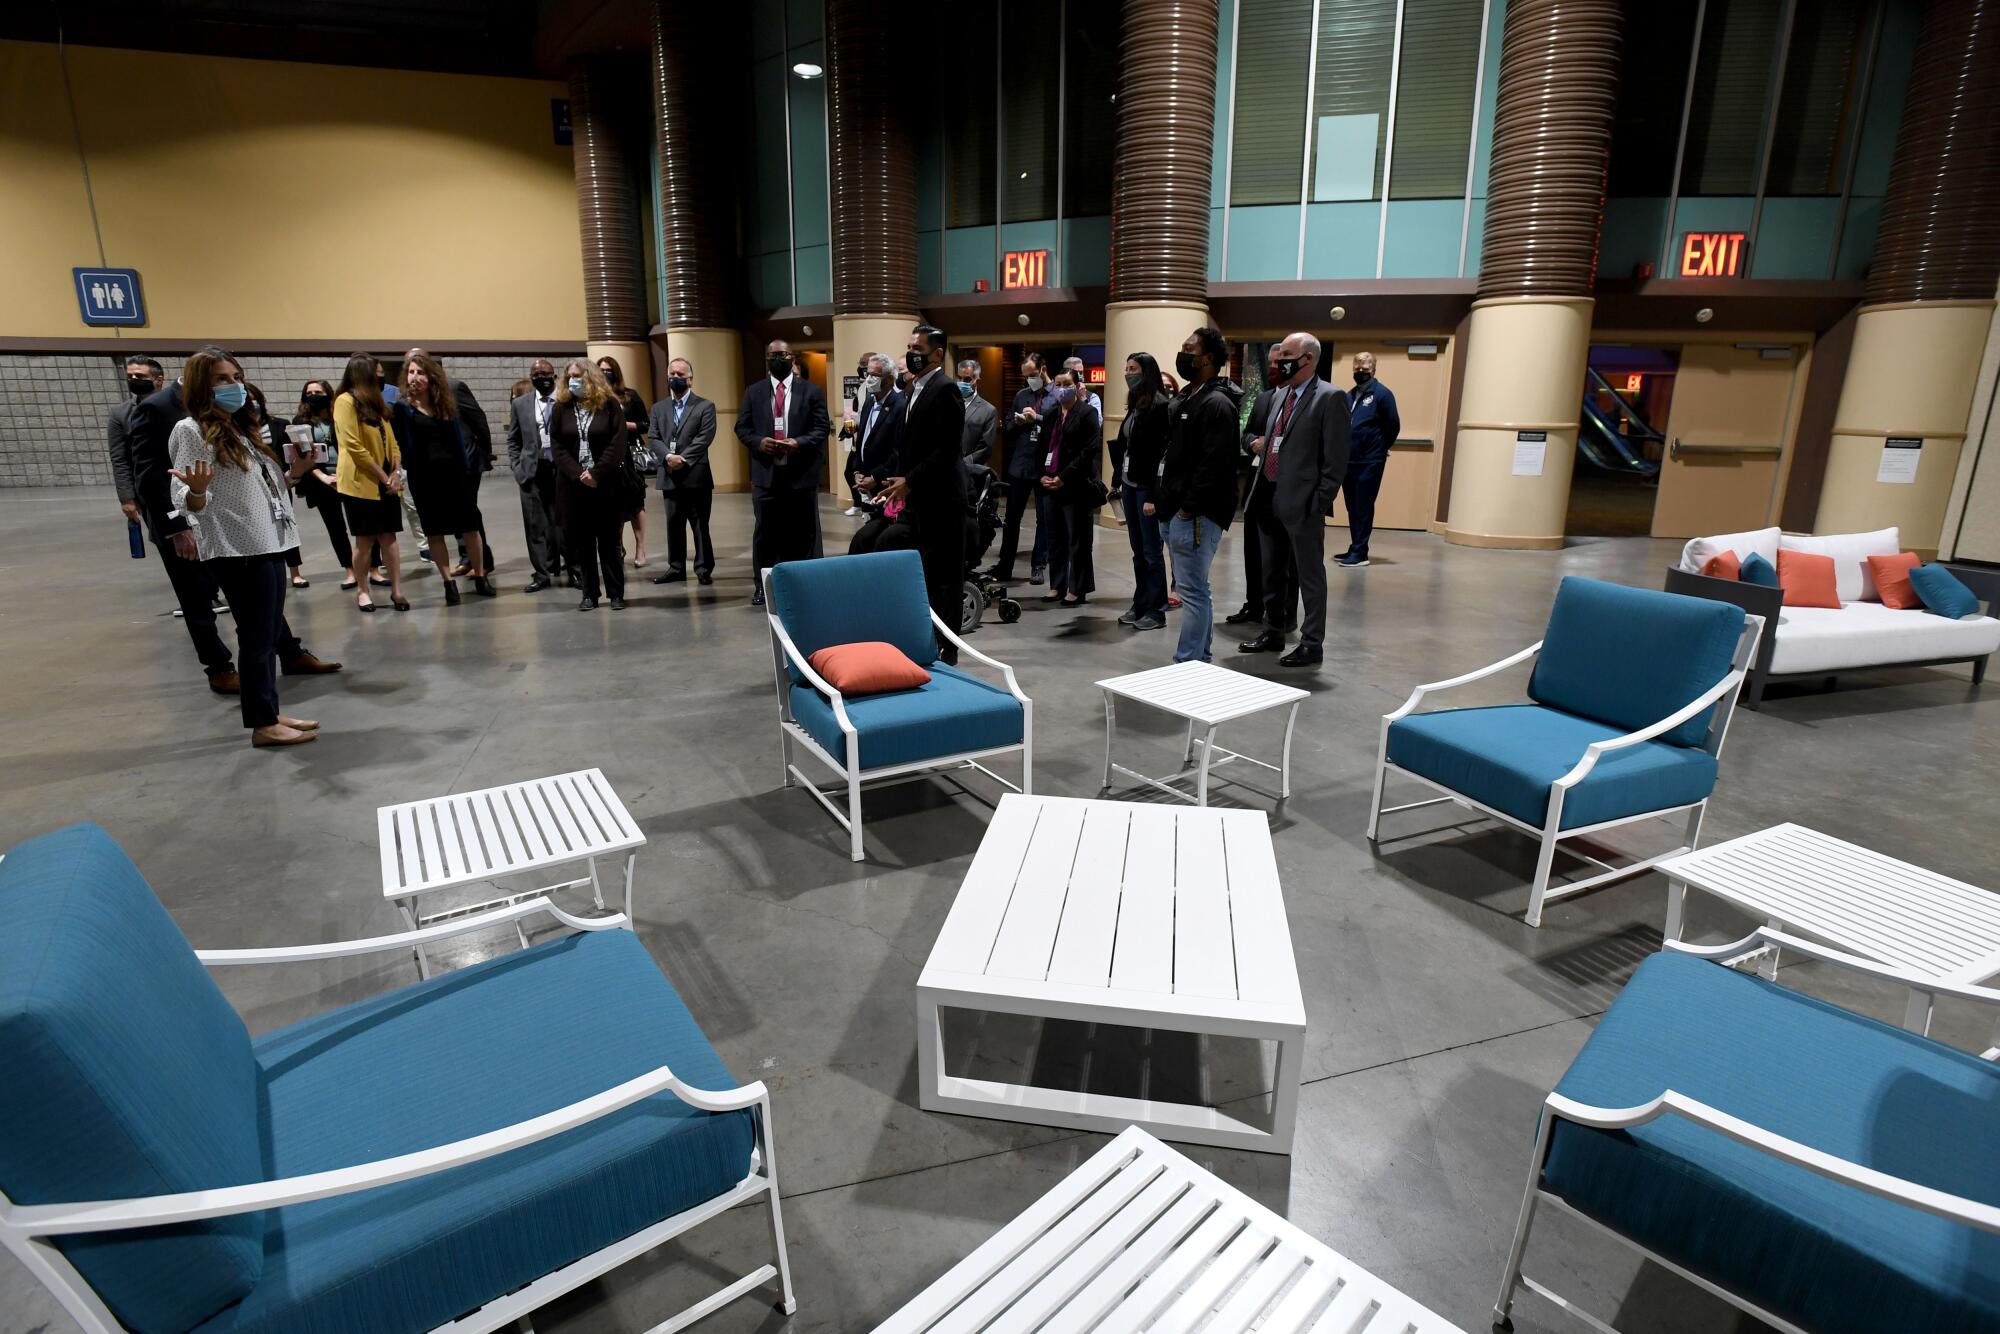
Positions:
{"x": 132, "y": 535}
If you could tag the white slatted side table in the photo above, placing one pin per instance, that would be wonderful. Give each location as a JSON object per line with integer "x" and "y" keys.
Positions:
{"x": 1205, "y": 696}
{"x": 1110, "y": 912}
{"x": 442, "y": 842}
{"x": 1825, "y": 889}
{"x": 1139, "y": 1237}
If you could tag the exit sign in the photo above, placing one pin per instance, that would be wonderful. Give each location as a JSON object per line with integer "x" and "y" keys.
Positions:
{"x": 1634, "y": 383}
{"x": 1025, "y": 268}
{"x": 1712, "y": 255}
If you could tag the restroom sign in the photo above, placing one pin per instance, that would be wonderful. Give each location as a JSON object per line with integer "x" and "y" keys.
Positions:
{"x": 1712, "y": 255}
{"x": 109, "y": 297}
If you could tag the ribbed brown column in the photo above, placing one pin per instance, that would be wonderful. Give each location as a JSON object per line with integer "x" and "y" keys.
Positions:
{"x": 1161, "y": 172}
{"x": 607, "y": 216}
{"x": 1939, "y": 238}
{"x": 1551, "y": 144}
{"x": 873, "y": 185}
{"x": 695, "y": 182}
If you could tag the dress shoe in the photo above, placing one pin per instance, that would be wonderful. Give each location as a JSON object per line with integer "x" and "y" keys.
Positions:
{"x": 1243, "y": 615}
{"x": 618, "y": 604}
{"x": 704, "y": 578}
{"x": 538, "y": 583}
{"x": 280, "y": 735}
{"x": 757, "y": 598}
{"x": 460, "y": 570}
{"x": 588, "y": 604}
{"x": 671, "y": 577}
{"x": 1268, "y": 642}
{"x": 483, "y": 585}
{"x": 307, "y": 664}
{"x": 1302, "y": 656}
{"x": 572, "y": 580}
{"x": 297, "y": 724}
{"x": 225, "y": 683}
{"x": 451, "y": 597}
{"x": 1038, "y": 574}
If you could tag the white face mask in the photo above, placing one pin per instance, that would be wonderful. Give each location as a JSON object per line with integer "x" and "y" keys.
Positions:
{"x": 872, "y": 385}
{"x": 1035, "y": 383}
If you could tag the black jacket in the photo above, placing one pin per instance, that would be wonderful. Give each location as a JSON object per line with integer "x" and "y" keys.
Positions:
{"x": 472, "y": 420}
{"x": 607, "y": 456}
{"x": 1199, "y": 476}
{"x": 150, "y": 427}
{"x": 806, "y": 422}
{"x": 1312, "y": 458}
{"x": 876, "y": 454}
{"x": 313, "y": 493}
{"x": 1146, "y": 442}
{"x": 1082, "y": 461}
{"x": 1024, "y": 452}
{"x": 927, "y": 450}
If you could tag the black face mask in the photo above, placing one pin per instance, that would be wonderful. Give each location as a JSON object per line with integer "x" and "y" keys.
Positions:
{"x": 780, "y": 367}
{"x": 1363, "y": 377}
{"x": 677, "y": 384}
{"x": 544, "y": 384}
{"x": 139, "y": 385}
{"x": 917, "y": 362}
{"x": 1286, "y": 367}
{"x": 1184, "y": 364}
{"x": 610, "y": 377}
{"x": 317, "y": 402}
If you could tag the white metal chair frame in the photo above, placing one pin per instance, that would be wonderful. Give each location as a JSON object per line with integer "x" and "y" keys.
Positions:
{"x": 1972, "y": 1213}
{"x": 853, "y": 777}
{"x": 1721, "y": 697}
{"x": 25, "y": 1230}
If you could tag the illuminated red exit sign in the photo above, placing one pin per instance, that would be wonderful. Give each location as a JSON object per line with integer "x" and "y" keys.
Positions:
{"x": 1712, "y": 255}
{"x": 1094, "y": 374}
{"x": 1634, "y": 383}
{"x": 1025, "y": 268}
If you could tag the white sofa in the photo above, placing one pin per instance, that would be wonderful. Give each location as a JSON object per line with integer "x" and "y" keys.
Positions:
{"x": 1862, "y": 633}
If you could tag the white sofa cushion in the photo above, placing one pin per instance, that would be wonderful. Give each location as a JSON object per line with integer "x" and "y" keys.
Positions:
{"x": 1699, "y": 550}
{"x": 1853, "y": 581}
{"x": 1868, "y": 634}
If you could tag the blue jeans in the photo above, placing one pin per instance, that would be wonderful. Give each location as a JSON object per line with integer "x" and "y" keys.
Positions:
{"x": 1192, "y": 544}
{"x": 1149, "y": 563}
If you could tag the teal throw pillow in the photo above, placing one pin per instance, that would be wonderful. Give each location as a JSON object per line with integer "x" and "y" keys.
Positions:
{"x": 1942, "y": 593}
{"x": 1757, "y": 570}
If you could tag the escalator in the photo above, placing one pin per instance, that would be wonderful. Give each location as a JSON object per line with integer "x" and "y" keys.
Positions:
{"x": 1607, "y": 448}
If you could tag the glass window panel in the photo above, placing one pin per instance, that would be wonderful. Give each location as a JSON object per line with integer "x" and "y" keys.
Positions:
{"x": 1434, "y": 98}
{"x": 971, "y": 141}
{"x": 1816, "y": 110}
{"x": 1029, "y": 105}
{"x": 1091, "y": 75}
{"x": 1652, "y": 84}
{"x": 1270, "y": 114}
{"x": 1357, "y": 40}
{"x": 1732, "y": 88}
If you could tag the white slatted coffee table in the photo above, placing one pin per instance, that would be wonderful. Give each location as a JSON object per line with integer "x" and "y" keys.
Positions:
{"x": 443, "y": 842}
{"x": 1138, "y": 1237}
{"x": 1824, "y": 889}
{"x": 1206, "y": 696}
{"x": 1109, "y": 912}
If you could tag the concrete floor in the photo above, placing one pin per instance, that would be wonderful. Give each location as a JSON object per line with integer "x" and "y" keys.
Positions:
{"x": 1438, "y": 1019}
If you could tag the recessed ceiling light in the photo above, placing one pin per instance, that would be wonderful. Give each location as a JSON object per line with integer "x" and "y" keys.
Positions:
{"x": 805, "y": 69}
{"x": 1024, "y": 175}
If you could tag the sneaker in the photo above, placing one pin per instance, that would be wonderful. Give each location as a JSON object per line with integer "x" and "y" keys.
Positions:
{"x": 424, "y": 555}
{"x": 851, "y": 511}
{"x": 1126, "y": 618}
{"x": 1350, "y": 561}
{"x": 1149, "y": 622}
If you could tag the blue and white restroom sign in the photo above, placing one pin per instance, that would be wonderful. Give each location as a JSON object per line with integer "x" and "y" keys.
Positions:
{"x": 109, "y": 296}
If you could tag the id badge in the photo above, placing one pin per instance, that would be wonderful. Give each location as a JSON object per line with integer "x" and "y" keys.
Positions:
{"x": 1049, "y": 459}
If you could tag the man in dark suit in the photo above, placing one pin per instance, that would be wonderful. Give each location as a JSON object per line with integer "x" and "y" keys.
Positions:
{"x": 682, "y": 428}
{"x": 783, "y": 424}
{"x": 982, "y": 419}
{"x": 533, "y": 462}
{"x": 879, "y": 425}
{"x": 1253, "y": 552}
{"x": 932, "y": 475}
{"x": 143, "y": 378}
{"x": 1301, "y": 459}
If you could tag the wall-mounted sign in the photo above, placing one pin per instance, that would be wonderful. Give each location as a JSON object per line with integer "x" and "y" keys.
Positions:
{"x": 109, "y": 297}
{"x": 1712, "y": 255}
{"x": 1900, "y": 456}
{"x": 1531, "y": 448}
{"x": 1025, "y": 268}
{"x": 1634, "y": 382}
{"x": 1094, "y": 374}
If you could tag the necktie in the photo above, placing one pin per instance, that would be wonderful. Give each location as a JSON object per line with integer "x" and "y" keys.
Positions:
{"x": 1270, "y": 447}
{"x": 778, "y": 408}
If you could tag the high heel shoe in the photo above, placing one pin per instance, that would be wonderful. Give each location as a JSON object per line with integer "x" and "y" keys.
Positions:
{"x": 451, "y": 598}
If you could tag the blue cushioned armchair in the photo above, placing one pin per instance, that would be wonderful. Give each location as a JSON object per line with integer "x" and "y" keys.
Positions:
{"x": 1811, "y": 1166}
{"x": 952, "y": 723}
{"x": 450, "y": 1155}
{"x": 1623, "y": 725}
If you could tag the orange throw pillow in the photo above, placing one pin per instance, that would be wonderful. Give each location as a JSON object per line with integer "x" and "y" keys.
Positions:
{"x": 872, "y": 667}
{"x": 1808, "y": 580}
{"x": 1892, "y": 580}
{"x": 1724, "y": 565}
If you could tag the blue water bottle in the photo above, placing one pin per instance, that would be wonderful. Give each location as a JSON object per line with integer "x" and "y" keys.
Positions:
{"x": 138, "y": 542}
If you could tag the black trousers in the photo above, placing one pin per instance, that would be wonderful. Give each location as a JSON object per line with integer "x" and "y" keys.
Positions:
{"x": 940, "y": 539}
{"x": 484, "y": 541}
{"x": 591, "y": 528}
{"x": 336, "y": 530}
{"x": 1277, "y": 566}
{"x": 1072, "y": 530}
{"x": 538, "y": 522}
{"x": 1363, "y": 484}
{"x": 785, "y": 527}
{"x": 1021, "y": 493}
{"x": 255, "y": 587}
{"x": 1253, "y": 557}
{"x": 194, "y": 589}
{"x": 1295, "y": 555}
{"x": 689, "y": 509}
{"x": 881, "y": 533}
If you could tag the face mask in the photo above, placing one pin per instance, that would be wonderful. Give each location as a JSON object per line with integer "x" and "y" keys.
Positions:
{"x": 1132, "y": 379}
{"x": 677, "y": 384}
{"x": 544, "y": 384}
{"x": 871, "y": 386}
{"x": 780, "y": 367}
{"x": 1065, "y": 395}
{"x": 917, "y": 362}
{"x": 575, "y": 386}
{"x": 316, "y": 402}
{"x": 965, "y": 389}
{"x": 231, "y": 397}
{"x": 1184, "y": 364}
{"x": 1363, "y": 377}
{"x": 139, "y": 385}
{"x": 1286, "y": 367}
{"x": 1035, "y": 383}
{"x": 610, "y": 376}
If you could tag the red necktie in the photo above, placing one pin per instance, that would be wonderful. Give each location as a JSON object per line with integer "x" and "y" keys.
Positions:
{"x": 778, "y": 408}
{"x": 1270, "y": 446}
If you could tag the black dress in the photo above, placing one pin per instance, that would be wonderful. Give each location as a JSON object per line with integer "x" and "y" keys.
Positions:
{"x": 440, "y": 479}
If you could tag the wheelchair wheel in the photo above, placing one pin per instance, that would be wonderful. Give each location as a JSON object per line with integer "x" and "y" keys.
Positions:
{"x": 971, "y": 608}
{"x": 1010, "y": 611}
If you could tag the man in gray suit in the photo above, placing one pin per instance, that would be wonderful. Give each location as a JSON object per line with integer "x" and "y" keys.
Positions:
{"x": 528, "y": 454}
{"x": 982, "y": 421}
{"x": 680, "y": 432}
{"x": 1300, "y": 460}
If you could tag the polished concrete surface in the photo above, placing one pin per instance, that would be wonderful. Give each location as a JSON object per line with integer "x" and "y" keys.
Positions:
{"x": 1437, "y": 1019}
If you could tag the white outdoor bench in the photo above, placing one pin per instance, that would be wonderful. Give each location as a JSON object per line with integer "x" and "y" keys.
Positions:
{"x": 443, "y": 842}
{"x": 1139, "y": 1237}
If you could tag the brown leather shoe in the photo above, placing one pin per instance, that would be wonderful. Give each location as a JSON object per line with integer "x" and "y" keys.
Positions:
{"x": 298, "y": 724}
{"x": 307, "y": 664}
{"x": 281, "y": 735}
{"x": 225, "y": 683}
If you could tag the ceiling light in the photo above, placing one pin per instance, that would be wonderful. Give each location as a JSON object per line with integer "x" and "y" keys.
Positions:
{"x": 805, "y": 69}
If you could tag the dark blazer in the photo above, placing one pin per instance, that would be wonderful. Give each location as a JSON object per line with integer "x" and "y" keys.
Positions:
{"x": 875, "y": 452}
{"x": 607, "y": 451}
{"x": 1260, "y": 421}
{"x": 524, "y": 437}
{"x": 1024, "y": 453}
{"x": 118, "y": 441}
{"x": 806, "y": 422}
{"x": 1312, "y": 458}
{"x": 1146, "y": 443}
{"x": 927, "y": 451}
{"x": 634, "y": 408}
{"x": 982, "y": 427}
{"x": 311, "y": 492}
{"x": 1082, "y": 455}
{"x": 691, "y": 442}
{"x": 1203, "y": 446}
{"x": 472, "y": 421}
{"x": 150, "y": 427}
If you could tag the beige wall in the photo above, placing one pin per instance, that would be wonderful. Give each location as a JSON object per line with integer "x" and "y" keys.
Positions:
{"x": 266, "y": 200}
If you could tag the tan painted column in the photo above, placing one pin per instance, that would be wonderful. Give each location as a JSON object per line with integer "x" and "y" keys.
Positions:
{"x": 1528, "y": 340}
{"x": 1922, "y": 329}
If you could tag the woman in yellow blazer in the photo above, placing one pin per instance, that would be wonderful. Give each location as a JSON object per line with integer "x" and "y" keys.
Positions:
{"x": 369, "y": 477}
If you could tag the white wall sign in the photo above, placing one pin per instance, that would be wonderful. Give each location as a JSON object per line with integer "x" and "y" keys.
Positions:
{"x": 1530, "y": 449}
{"x": 1900, "y": 456}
